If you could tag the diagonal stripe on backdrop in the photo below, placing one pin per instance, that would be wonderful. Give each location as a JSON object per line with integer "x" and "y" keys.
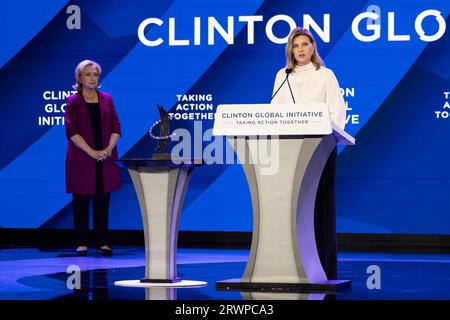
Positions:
{"x": 135, "y": 105}
{"x": 20, "y": 23}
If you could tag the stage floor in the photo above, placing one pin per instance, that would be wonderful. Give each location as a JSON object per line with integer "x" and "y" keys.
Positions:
{"x": 41, "y": 274}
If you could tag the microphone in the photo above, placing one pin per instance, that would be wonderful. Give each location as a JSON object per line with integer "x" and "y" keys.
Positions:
{"x": 288, "y": 71}
{"x": 292, "y": 95}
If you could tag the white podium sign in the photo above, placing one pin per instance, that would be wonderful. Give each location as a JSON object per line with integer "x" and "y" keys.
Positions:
{"x": 269, "y": 119}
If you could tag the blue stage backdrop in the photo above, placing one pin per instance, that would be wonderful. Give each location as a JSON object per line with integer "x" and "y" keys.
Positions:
{"x": 390, "y": 57}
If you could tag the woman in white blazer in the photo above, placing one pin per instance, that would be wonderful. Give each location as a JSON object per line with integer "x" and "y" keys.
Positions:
{"x": 311, "y": 82}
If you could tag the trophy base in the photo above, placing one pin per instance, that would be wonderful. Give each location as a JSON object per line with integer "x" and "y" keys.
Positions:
{"x": 161, "y": 156}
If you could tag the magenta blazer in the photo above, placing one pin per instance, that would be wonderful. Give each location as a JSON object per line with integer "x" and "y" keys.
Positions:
{"x": 80, "y": 167}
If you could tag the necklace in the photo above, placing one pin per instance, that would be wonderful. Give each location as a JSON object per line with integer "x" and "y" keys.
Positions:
{"x": 90, "y": 98}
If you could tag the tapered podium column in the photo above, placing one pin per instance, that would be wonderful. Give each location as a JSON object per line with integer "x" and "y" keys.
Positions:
{"x": 160, "y": 187}
{"x": 160, "y": 191}
{"x": 283, "y": 253}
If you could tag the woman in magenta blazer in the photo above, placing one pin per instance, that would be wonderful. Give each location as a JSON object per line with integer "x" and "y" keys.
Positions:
{"x": 92, "y": 128}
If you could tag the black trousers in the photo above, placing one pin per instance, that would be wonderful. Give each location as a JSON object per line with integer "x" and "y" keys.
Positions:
{"x": 325, "y": 218}
{"x": 81, "y": 218}
{"x": 100, "y": 201}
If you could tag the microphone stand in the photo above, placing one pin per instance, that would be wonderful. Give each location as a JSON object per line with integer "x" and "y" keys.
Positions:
{"x": 288, "y": 71}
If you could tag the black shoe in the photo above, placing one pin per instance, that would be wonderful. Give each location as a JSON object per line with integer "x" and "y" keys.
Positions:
{"x": 82, "y": 253}
{"x": 106, "y": 251}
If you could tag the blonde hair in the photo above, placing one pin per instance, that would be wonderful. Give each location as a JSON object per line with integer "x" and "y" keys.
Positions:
{"x": 290, "y": 59}
{"x": 79, "y": 70}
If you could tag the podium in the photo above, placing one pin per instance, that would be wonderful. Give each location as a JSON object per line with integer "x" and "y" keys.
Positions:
{"x": 283, "y": 254}
{"x": 160, "y": 186}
